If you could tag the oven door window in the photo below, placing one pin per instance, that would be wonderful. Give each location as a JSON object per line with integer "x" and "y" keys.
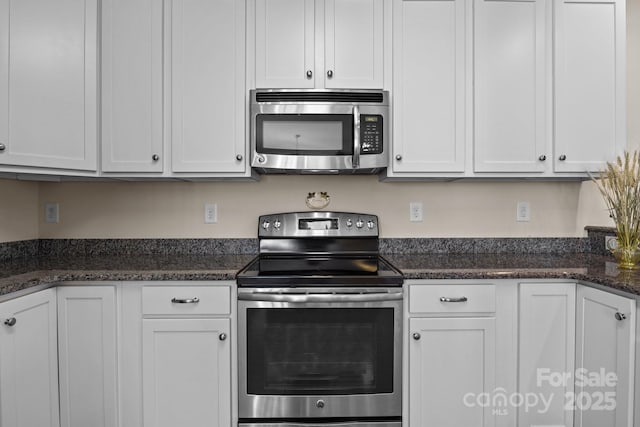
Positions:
{"x": 309, "y": 134}
{"x": 326, "y": 351}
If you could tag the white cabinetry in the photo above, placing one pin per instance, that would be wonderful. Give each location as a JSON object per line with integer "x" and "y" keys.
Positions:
{"x": 546, "y": 347}
{"x": 29, "y": 361}
{"x": 429, "y": 86}
{"x": 87, "y": 356}
{"x": 132, "y": 132}
{"x": 590, "y": 73}
{"x": 605, "y": 351}
{"x": 48, "y": 84}
{"x": 207, "y": 86}
{"x": 461, "y": 346}
{"x": 186, "y": 355}
{"x": 319, "y": 43}
{"x": 511, "y": 81}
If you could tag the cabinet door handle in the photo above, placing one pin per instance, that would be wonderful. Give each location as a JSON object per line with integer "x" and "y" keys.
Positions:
{"x": 193, "y": 300}
{"x": 542, "y": 158}
{"x": 447, "y": 299}
{"x": 562, "y": 158}
{"x": 416, "y": 336}
{"x": 620, "y": 316}
{"x": 2, "y": 147}
{"x": 398, "y": 157}
{"x": 10, "y": 321}
{"x": 155, "y": 157}
{"x": 239, "y": 157}
{"x": 309, "y": 74}
{"x": 330, "y": 73}
{"x": 222, "y": 336}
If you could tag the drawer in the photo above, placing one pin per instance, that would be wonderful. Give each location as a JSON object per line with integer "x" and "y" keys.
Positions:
{"x": 186, "y": 300}
{"x": 457, "y": 298}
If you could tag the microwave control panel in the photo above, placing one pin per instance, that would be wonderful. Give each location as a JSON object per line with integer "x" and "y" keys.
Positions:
{"x": 370, "y": 134}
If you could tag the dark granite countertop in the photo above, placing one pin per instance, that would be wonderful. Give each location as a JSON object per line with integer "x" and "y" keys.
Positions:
{"x": 25, "y": 273}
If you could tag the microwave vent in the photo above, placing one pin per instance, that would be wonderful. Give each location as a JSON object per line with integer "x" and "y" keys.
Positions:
{"x": 317, "y": 96}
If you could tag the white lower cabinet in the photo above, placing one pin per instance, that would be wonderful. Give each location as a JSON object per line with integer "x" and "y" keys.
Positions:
{"x": 186, "y": 356}
{"x": 87, "y": 356}
{"x": 605, "y": 357}
{"x": 546, "y": 342}
{"x": 29, "y": 361}
{"x": 461, "y": 353}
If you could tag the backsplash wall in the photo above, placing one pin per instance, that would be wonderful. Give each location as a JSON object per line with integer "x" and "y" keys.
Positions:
{"x": 18, "y": 210}
{"x": 451, "y": 209}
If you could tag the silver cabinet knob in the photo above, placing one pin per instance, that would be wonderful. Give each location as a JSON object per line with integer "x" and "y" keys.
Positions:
{"x": 309, "y": 74}
{"x": 193, "y": 300}
{"x": 330, "y": 73}
{"x": 10, "y": 321}
{"x": 222, "y": 336}
{"x": 620, "y": 316}
{"x": 416, "y": 336}
{"x": 239, "y": 157}
{"x": 2, "y": 147}
{"x": 320, "y": 404}
{"x": 398, "y": 157}
{"x": 542, "y": 158}
{"x": 562, "y": 158}
{"x": 155, "y": 157}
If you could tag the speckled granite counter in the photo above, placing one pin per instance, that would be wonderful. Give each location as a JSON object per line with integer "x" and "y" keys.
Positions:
{"x": 26, "y": 273}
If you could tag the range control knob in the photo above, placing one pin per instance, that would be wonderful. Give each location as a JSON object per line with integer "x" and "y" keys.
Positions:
{"x": 266, "y": 224}
{"x": 277, "y": 224}
{"x": 370, "y": 224}
{"x": 359, "y": 223}
{"x": 349, "y": 223}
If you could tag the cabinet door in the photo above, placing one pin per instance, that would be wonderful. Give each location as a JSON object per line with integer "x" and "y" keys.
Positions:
{"x": 48, "y": 83}
{"x": 511, "y": 81}
{"x": 285, "y": 43}
{"x": 450, "y": 366}
{"x": 353, "y": 43}
{"x": 207, "y": 86}
{"x": 132, "y": 85}
{"x": 429, "y": 86}
{"x": 546, "y": 347}
{"x": 186, "y": 372}
{"x": 605, "y": 353}
{"x": 590, "y": 84}
{"x": 29, "y": 361}
{"x": 87, "y": 356}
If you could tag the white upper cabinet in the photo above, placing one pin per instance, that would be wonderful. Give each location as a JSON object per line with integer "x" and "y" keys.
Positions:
{"x": 132, "y": 133}
{"x": 207, "y": 86}
{"x": 48, "y": 84}
{"x": 285, "y": 31}
{"x": 428, "y": 86}
{"x": 319, "y": 43}
{"x": 511, "y": 78}
{"x": 590, "y": 73}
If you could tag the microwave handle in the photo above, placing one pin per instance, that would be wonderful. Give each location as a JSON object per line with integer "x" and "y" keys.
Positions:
{"x": 356, "y": 137}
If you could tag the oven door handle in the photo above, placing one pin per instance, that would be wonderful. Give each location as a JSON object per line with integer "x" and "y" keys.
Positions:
{"x": 320, "y": 298}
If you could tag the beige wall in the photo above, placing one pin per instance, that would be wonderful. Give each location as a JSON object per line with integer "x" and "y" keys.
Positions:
{"x": 455, "y": 209}
{"x": 18, "y": 210}
{"x": 468, "y": 208}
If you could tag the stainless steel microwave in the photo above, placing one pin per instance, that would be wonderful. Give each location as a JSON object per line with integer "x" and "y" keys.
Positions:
{"x": 319, "y": 131}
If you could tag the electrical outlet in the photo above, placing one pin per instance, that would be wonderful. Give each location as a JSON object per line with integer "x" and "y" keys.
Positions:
{"x": 523, "y": 212}
{"x": 610, "y": 242}
{"x": 210, "y": 213}
{"x": 51, "y": 213}
{"x": 415, "y": 211}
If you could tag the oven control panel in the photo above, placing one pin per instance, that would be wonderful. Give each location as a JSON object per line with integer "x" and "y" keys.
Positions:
{"x": 318, "y": 224}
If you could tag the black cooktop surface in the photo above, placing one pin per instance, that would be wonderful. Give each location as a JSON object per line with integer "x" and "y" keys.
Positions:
{"x": 319, "y": 270}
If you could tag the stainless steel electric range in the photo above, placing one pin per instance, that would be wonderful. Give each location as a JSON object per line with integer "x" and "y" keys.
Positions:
{"x": 320, "y": 324}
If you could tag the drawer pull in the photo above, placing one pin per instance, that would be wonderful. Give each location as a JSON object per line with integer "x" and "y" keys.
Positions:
{"x": 10, "y": 321}
{"x": 620, "y": 316}
{"x": 447, "y": 299}
{"x": 193, "y": 300}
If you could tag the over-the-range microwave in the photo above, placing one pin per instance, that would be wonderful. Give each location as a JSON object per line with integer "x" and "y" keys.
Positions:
{"x": 319, "y": 131}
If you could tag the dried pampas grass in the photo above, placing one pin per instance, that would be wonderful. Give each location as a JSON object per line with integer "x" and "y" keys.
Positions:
{"x": 619, "y": 184}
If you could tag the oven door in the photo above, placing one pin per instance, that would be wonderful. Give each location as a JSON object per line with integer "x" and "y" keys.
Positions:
{"x": 308, "y": 353}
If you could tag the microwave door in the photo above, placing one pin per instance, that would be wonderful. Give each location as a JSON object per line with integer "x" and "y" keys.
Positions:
{"x": 356, "y": 137}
